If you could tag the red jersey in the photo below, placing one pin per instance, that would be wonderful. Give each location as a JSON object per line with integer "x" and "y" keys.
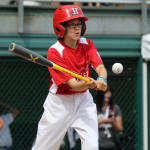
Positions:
{"x": 76, "y": 60}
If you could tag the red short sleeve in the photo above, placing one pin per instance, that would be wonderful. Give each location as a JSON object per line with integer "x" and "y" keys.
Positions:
{"x": 58, "y": 76}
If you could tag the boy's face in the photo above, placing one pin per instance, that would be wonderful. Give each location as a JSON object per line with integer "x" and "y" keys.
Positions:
{"x": 73, "y": 29}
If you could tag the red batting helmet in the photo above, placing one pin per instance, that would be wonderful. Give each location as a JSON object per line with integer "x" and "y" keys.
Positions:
{"x": 66, "y": 13}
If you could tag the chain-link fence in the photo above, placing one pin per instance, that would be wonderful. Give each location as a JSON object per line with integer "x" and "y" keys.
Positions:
{"x": 24, "y": 87}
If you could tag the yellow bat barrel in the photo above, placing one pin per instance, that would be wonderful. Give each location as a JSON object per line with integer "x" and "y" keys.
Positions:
{"x": 57, "y": 67}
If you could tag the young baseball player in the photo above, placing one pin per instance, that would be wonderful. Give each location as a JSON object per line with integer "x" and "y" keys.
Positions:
{"x": 69, "y": 102}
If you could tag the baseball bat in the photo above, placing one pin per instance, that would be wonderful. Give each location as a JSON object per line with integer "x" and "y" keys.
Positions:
{"x": 39, "y": 59}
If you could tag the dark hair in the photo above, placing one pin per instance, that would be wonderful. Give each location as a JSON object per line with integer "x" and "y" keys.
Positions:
{"x": 100, "y": 99}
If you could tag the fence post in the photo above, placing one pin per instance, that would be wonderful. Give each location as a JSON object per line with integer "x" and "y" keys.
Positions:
{"x": 144, "y": 16}
{"x": 20, "y": 17}
{"x": 139, "y": 105}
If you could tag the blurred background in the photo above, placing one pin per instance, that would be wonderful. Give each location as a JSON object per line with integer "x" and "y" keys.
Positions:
{"x": 120, "y": 29}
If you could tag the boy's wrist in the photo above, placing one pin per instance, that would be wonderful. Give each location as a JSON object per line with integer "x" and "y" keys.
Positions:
{"x": 100, "y": 77}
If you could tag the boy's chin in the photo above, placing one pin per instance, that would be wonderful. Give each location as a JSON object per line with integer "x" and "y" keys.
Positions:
{"x": 76, "y": 38}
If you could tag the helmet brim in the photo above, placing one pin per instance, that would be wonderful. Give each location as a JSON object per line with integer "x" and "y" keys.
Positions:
{"x": 84, "y": 18}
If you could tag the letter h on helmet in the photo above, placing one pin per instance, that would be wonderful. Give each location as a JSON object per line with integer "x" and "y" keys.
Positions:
{"x": 64, "y": 14}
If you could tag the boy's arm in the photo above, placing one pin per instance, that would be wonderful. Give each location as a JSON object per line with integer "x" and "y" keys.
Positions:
{"x": 81, "y": 85}
{"x": 102, "y": 77}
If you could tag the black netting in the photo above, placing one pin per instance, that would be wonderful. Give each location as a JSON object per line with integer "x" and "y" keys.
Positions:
{"x": 24, "y": 86}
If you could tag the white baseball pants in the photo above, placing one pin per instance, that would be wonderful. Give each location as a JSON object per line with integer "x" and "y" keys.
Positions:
{"x": 63, "y": 111}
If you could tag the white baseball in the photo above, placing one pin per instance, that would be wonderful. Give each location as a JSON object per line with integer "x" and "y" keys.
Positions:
{"x": 117, "y": 68}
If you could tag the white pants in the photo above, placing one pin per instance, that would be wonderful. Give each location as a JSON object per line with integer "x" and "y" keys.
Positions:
{"x": 63, "y": 111}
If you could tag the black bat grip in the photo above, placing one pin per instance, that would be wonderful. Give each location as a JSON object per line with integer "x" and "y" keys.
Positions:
{"x": 29, "y": 55}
